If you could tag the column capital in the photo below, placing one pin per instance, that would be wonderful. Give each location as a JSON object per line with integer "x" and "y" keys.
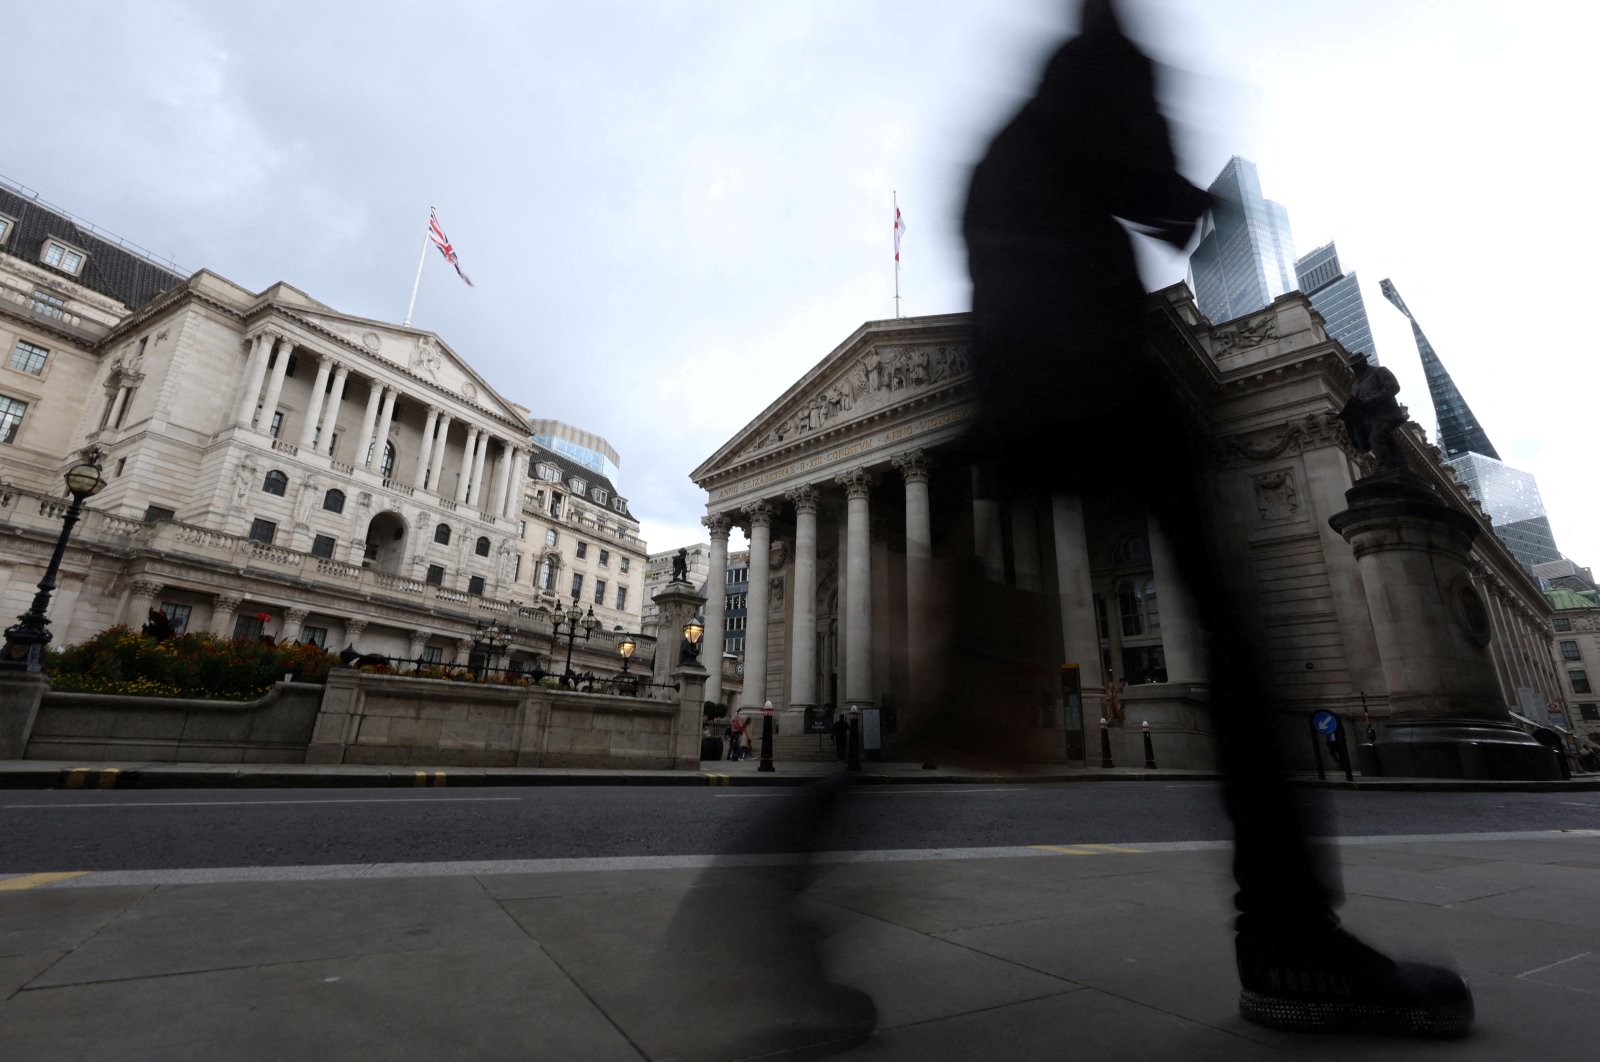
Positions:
{"x": 353, "y": 628}
{"x": 804, "y": 500}
{"x": 759, "y": 514}
{"x": 719, "y": 524}
{"x": 914, "y": 466}
{"x": 857, "y": 483}
{"x": 295, "y": 615}
{"x": 147, "y": 587}
{"x": 326, "y": 359}
{"x": 227, "y": 602}
{"x": 340, "y": 368}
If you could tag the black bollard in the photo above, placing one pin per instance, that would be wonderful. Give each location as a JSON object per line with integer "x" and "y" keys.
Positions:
{"x": 853, "y": 756}
{"x": 766, "y": 738}
{"x": 1149, "y": 749}
{"x": 1105, "y": 745}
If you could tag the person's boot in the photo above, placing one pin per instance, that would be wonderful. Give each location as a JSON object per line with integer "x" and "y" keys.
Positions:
{"x": 1325, "y": 980}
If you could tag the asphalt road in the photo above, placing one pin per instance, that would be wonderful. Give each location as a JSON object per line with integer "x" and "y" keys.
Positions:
{"x": 170, "y": 829}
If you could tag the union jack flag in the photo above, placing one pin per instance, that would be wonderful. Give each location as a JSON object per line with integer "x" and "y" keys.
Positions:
{"x": 441, "y": 241}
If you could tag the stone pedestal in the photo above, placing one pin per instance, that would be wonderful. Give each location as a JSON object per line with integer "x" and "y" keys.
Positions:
{"x": 679, "y": 603}
{"x": 1432, "y": 631}
{"x": 20, "y": 695}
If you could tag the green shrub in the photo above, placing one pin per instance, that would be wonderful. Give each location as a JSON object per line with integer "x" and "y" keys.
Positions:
{"x": 124, "y": 661}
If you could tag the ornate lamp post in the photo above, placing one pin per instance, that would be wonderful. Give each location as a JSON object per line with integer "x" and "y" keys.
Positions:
{"x": 625, "y": 649}
{"x": 491, "y": 641}
{"x": 572, "y": 619}
{"x": 25, "y": 641}
{"x": 692, "y": 633}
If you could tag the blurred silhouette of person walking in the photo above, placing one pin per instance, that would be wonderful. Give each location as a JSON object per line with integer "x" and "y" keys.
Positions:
{"x": 1073, "y": 400}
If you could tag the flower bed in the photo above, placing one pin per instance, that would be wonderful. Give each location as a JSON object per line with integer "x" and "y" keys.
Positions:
{"x": 124, "y": 661}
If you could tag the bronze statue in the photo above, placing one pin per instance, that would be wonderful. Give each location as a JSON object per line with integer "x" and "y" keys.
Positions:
{"x": 680, "y": 567}
{"x": 1372, "y": 414}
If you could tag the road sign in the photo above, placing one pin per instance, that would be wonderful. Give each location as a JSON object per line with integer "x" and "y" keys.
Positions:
{"x": 1326, "y": 722}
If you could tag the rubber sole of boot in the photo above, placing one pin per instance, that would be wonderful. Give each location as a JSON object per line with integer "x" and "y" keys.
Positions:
{"x": 1312, "y": 1016}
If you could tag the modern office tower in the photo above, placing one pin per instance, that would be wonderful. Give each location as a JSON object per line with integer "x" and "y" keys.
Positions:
{"x": 1509, "y": 495}
{"x": 1459, "y": 431}
{"x": 1245, "y": 257}
{"x": 1336, "y": 295}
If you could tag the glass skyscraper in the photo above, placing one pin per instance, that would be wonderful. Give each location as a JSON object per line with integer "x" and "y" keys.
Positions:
{"x": 1245, "y": 257}
{"x": 1459, "y": 431}
{"x": 1337, "y": 297}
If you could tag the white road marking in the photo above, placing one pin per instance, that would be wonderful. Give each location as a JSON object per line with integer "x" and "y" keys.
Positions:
{"x": 336, "y": 872}
{"x": 920, "y": 791}
{"x": 246, "y": 803}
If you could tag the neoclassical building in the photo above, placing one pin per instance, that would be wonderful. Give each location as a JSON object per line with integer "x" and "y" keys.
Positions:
{"x": 850, "y": 493}
{"x": 276, "y": 466}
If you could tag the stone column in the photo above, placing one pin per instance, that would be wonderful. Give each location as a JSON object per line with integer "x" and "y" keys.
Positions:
{"x": 465, "y": 478}
{"x": 141, "y": 596}
{"x": 1080, "y": 641}
{"x": 222, "y": 610}
{"x": 419, "y": 639}
{"x": 319, "y": 386}
{"x": 269, "y": 404}
{"x": 716, "y": 602}
{"x": 475, "y": 488}
{"x": 463, "y": 652}
{"x": 442, "y": 440}
{"x": 425, "y": 450}
{"x": 755, "y": 635}
{"x": 919, "y": 575}
{"x": 803, "y": 630}
{"x": 987, "y": 538}
{"x": 121, "y": 399}
{"x": 858, "y": 606}
{"x": 502, "y": 476}
{"x": 1029, "y": 568}
{"x": 330, "y": 416}
{"x": 255, "y": 371}
{"x": 842, "y": 599}
{"x": 294, "y": 623}
{"x": 1182, "y": 639}
{"x": 353, "y": 629}
{"x": 369, "y": 425}
{"x": 511, "y": 504}
{"x": 391, "y": 398}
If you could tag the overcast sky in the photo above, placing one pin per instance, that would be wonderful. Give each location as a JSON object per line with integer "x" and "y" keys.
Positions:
{"x": 671, "y": 210}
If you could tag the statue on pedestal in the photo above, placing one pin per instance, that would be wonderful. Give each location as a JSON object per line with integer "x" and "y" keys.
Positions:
{"x": 680, "y": 567}
{"x": 1372, "y": 414}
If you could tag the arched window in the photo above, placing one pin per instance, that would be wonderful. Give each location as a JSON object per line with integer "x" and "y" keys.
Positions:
{"x": 441, "y": 534}
{"x": 333, "y": 501}
{"x": 275, "y": 483}
{"x": 482, "y": 548}
{"x": 387, "y": 469}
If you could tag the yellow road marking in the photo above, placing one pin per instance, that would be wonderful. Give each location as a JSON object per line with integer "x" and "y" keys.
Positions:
{"x": 108, "y": 777}
{"x": 435, "y": 778}
{"x": 30, "y": 881}
{"x": 438, "y": 778}
{"x": 76, "y": 777}
{"x": 1116, "y": 848}
{"x": 713, "y": 778}
{"x": 1064, "y": 849}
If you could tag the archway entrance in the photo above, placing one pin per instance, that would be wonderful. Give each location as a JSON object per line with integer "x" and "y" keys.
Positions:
{"x": 386, "y": 543}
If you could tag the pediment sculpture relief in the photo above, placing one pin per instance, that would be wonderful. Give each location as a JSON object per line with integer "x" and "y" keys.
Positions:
{"x": 872, "y": 382}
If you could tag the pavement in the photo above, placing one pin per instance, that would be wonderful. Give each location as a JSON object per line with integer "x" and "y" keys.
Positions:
{"x": 1044, "y": 951}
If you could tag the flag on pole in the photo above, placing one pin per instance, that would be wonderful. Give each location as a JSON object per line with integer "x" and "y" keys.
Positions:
{"x": 441, "y": 241}
{"x": 899, "y": 230}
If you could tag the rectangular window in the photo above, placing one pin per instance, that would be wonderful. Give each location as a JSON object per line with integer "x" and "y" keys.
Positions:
{"x": 622, "y": 565}
{"x": 47, "y": 305}
{"x": 555, "y": 505}
{"x": 475, "y": 585}
{"x": 435, "y": 576}
{"x": 583, "y": 550}
{"x": 127, "y": 404}
{"x": 622, "y": 597}
{"x": 522, "y": 529}
{"x": 277, "y": 423}
{"x": 156, "y": 514}
{"x": 599, "y": 591}
{"x": 1569, "y": 651}
{"x": 550, "y": 537}
{"x": 605, "y": 558}
{"x": 433, "y": 654}
{"x": 247, "y": 625}
{"x": 177, "y": 615}
{"x": 62, "y": 257}
{"x": 1563, "y": 623}
{"x": 1580, "y": 681}
{"x": 317, "y": 636}
{"x": 577, "y": 585}
{"x": 6, "y": 225}
{"x": 1590, "y": 712}
{"x": 11, "y": 412}
{"x": 516, "y": 568}
{"x": 322, "y": 546}
{"x": 263, "y": 531}
{"x": 29, "y": 358}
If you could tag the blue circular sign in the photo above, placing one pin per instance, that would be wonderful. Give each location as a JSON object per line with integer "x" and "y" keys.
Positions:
{"x": 1325, "y": 721}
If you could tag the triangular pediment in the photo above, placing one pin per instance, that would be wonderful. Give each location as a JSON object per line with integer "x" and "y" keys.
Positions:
{"x": 421, "y": 354}
{"x": 883, "y": 364}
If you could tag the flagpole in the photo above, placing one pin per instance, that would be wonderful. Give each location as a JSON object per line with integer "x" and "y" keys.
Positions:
{"x": 417, "y": 283}
{"x": 895, "y": 199}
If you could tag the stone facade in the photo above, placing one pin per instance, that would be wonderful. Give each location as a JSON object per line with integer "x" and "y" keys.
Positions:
{"x": 848, "y": 492}
{"x": 276, "y": 466}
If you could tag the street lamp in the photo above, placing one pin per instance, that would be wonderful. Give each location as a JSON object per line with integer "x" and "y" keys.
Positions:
{"x": 25, "y": 642}
{"x": 491, "y": 641}
{"x": 692, "y": 632}
{"x": 625, "y": 649}
{"x": 572, "y": 619}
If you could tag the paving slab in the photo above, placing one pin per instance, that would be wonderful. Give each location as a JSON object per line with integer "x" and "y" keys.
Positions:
{"x": 60, "y": 919}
